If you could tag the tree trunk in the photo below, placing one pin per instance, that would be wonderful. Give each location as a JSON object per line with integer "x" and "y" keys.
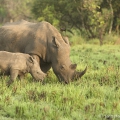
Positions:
{"x": 101, "y": 38}
{"x": 111, "y": 14}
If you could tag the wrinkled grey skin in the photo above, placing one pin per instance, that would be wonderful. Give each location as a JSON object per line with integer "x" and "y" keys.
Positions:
{"x": 44, "y": 43}
{"x": 18, "y": 64}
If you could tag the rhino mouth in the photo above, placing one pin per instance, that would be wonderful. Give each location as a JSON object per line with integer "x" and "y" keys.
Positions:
{"x": 62, "y": 80}
{"x": 59, "y": 78}
{"x": 39, "y": 79}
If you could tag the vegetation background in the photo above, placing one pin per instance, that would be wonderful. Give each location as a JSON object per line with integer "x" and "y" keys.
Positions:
{"x": 92, "y": 19}
{"x": 88, "y": 24}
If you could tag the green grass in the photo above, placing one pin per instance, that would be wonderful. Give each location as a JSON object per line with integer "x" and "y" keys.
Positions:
{"x": 96, "y": 96}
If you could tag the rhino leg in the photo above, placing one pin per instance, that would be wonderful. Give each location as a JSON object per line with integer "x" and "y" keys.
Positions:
{"x": 13, "y": 76}
{"x": 21, "y": 76}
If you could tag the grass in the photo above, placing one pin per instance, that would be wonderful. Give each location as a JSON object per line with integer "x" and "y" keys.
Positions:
{"x": 96, "y": 96}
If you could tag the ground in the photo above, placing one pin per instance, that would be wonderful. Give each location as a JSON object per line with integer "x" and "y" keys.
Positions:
{"x": 96, "y": 96}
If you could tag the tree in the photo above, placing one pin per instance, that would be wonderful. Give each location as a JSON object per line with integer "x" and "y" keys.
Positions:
{"x": 114, "y": 12}
{"x": 83, "y": 15}
{"x": 93, "y": 18}
{"x": 13, "y": 10}
{"x": 2, "y": 10}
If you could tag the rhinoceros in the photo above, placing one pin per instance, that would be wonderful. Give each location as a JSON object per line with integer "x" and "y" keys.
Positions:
{"x": 44, "y": 42}
{"x": 18, "y": 64}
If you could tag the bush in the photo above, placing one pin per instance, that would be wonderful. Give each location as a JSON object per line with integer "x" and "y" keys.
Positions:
{"x": 77, "y": 40}
{"x": 110, "y": 39}
{"x": 94, "y": 41}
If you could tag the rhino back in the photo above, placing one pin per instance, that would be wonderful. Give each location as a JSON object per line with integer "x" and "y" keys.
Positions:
{"x": 12, "y": 60}
{"x": 14, "y": 34}
{"x": 27, "y": 37}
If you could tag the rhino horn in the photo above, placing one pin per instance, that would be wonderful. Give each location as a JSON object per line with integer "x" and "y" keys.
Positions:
{"x": 80, "y": 74}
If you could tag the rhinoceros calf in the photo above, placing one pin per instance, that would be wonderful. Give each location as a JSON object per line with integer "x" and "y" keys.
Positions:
{"x": 17, "y": 64}
{"x": 44, "y": 42}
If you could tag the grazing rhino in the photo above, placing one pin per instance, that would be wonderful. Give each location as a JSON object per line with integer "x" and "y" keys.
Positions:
{"x": 44, "y": 43}
{"x": 17, "y": 64}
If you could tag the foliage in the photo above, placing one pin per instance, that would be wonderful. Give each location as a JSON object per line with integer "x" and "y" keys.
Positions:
{"x": 44, "y": 12}
{"x": 93, "y": 97}
{"x": 89, "y": 16}
{"x": 116, "y": 8}
{"x": 15, "y": 9}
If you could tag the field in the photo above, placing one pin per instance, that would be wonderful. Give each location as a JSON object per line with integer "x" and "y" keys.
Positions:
{"x": 96, "y": 96}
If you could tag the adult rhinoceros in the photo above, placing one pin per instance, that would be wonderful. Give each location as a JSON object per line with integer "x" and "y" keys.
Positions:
{"x": 43, "y": 42}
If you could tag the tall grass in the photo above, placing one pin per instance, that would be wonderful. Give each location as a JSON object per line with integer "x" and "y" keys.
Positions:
{"x": 96, "y": 96}
{"x": 108, "y": 39}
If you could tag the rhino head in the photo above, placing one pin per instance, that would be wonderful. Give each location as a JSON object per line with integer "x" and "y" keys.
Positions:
{"x": 34, "y": 69}
{"x": 61, "y": 64}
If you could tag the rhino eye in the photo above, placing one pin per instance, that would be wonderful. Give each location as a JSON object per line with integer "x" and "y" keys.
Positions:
{"x": 62, "y": 67}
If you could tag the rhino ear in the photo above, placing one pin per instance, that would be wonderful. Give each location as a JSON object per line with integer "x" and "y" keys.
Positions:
{"x": 73, "y": 66}
{"x": 65, "y": 38}
{"x": 55, "y": 42}
{"x": 31, "y": 59}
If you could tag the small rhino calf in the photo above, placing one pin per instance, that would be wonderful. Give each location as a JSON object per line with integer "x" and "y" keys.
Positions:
{"x": 18, "y": 64}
